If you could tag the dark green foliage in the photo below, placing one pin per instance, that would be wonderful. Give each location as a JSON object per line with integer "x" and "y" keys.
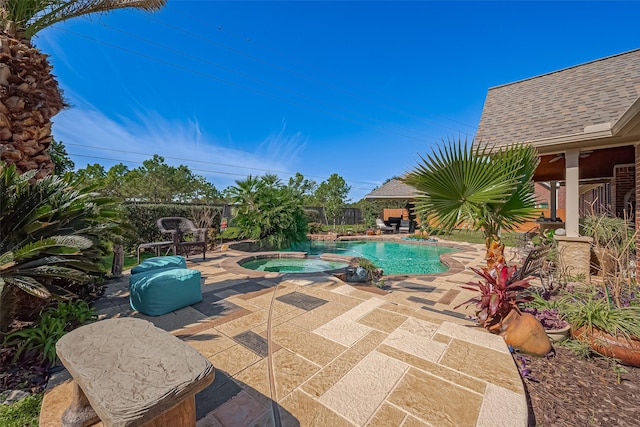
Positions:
{"x": 39, "y": 341}
{"x": 60, "y": 158}
{"x": 144, "y": 216}
{"x": 154, "y": 181}
{"x": 53, "y": 233}
{"x": 268, "y": 211}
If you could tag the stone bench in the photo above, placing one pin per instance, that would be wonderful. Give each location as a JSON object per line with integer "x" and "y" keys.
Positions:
{"x": 127, "y": 372}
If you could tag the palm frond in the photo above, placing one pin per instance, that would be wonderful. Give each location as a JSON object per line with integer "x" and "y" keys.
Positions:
{"x": 32, "y": 16}
{"x": 29, "y": 285}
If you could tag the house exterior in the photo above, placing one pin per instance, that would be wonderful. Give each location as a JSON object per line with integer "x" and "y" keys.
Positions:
{"x": 585, "y": 123}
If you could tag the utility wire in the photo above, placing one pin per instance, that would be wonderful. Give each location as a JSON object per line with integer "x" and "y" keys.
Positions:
{"x": 204, "y": 162}
{"x": 294, "y": 73}
{"x": 228, "y": 82}
{"x": 249, "y": 77}
{"x": 197, "y": 170}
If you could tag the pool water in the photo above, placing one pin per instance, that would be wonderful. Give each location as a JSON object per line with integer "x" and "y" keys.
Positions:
{"x": 293, "y": 265}
{"x": 392, "y": 257}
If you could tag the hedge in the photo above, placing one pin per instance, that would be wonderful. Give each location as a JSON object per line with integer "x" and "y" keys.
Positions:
{"x": 143, "y": 219}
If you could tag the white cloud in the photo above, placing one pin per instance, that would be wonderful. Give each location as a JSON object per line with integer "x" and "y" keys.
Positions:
{"x": 90, "y": 136}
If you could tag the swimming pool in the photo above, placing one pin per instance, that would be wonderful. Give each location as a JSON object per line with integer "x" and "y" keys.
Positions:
{"x": 392, "y": 257}
{"x": 293, "y": 265}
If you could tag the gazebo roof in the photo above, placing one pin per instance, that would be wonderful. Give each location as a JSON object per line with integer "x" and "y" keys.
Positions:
{"x": 393, "y": 189}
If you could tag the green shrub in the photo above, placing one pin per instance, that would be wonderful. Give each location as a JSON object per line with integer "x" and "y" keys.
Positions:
{"x": 53, "y": 234}
{"x": 143, "y": 218}
{"x": 230, "y": 233}
{"x": 315, "y": 227}
{"x": 40, "y": 340}
{"x": 268, "y": 211}
{"x": 23, "y": 413}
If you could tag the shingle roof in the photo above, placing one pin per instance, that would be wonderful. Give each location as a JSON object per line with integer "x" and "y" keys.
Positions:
{"x": 393, "y": 189}
{"x": 563, "y": 102}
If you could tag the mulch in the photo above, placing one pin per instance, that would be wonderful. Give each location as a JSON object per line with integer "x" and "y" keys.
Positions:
{"x": 571, "y": 391}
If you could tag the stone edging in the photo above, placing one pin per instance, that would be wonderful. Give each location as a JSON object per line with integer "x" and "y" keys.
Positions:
{"x": 232, "y": 264}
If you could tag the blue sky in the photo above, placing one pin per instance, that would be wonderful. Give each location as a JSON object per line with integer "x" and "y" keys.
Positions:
{"x": 360, "y": 89}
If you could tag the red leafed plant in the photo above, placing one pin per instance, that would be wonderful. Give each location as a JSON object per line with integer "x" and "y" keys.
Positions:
{"x": 499, "y": 294}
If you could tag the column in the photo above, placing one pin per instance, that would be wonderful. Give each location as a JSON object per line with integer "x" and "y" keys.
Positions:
{"x": 553, "y": 196}
{"x": 573, "y": 196}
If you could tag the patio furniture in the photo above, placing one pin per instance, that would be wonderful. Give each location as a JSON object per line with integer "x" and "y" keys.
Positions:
{"x": 122, "y": 379}
{"x": 160, "y": 262}
{"x": 405, "y": 226}
{"x": 383, "y": 227}
{"x": 394, "y": 221}
{"x": 161, "y": 291}
{"x": 179, "y": 228}
{"x": 156, "y": 246}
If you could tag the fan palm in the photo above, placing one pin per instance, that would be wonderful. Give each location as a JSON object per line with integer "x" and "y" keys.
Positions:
{"x": 477, "y": 187}
{"x": 30, "y": 93}
{"x": 268, "y": 211}
{"x": 50, "y": 232}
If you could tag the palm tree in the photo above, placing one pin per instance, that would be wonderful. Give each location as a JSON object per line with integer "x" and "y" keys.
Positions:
{"x": 488, "y": 190}
{"x": 30, "y": 93}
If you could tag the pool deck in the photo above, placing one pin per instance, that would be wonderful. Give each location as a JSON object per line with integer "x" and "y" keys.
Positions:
{"x": 311, "y": 350}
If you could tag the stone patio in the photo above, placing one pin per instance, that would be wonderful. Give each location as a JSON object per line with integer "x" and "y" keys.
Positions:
{"x": 310, "y": 350}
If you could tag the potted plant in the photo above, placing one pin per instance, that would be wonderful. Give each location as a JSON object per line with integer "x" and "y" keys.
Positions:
{"x": 608, "y": 329}
{"x": 606, "y": 315}
{"x": 497, "y": 309}
{"x": 548, "y": 314}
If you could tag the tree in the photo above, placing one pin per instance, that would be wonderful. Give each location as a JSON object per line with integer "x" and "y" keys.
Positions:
{"x": 489, "y": 190}
{"x": 305, "y": 187}
{"x": 332, "y": 195}
{"x": 156, "y": 181}
{"x": 30, "y": 93}
{"x": 268, "y": 211}
{"x": 60, "y": 158}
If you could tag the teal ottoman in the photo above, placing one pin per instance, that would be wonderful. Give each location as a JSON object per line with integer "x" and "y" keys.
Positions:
{"x": 158, "y": 292}
{"x": 158, "y": 262}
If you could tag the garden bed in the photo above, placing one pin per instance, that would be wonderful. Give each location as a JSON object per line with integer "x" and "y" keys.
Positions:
{"x": 572, "y": 391}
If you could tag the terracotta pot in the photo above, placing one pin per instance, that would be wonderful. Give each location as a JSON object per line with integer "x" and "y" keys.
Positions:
{"x": 524, "y": 332}
{"x": 556, "y": 335}
{"x": 624, "y": 349}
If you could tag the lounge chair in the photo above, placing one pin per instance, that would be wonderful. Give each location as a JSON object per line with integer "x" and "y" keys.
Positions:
{"x": 383, "y": 227}
{"x": 405, "y": 226}
{"x": 178, "y": 227}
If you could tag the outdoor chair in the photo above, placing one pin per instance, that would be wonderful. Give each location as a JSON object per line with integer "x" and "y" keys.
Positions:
{"x": 179, "y": 228}
{"x": 384, "y": 227}
{"x": 405, "y": 226}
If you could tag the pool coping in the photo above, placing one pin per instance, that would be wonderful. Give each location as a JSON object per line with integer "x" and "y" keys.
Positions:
{"x": 232, "y": 264}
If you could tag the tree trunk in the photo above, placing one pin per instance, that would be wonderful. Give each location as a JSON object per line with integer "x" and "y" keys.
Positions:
{"x": 495, "y": 251}
{"x": 29, "y": 98}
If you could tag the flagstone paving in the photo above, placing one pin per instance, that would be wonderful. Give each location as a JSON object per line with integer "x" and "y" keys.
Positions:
{"x": 310, "y": 350}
